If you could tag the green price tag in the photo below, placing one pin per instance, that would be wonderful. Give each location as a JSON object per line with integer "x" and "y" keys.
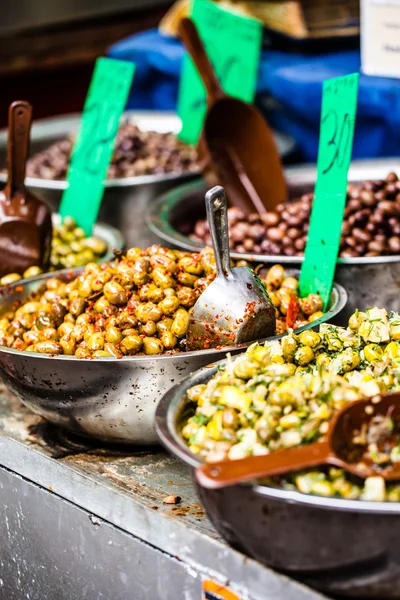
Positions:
{"x": 338, "y": 115}
{"x": 91, "y": 155}
{"x": 233, "y": 44}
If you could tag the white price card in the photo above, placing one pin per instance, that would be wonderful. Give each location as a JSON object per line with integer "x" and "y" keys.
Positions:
{"x": 380, "y": 37}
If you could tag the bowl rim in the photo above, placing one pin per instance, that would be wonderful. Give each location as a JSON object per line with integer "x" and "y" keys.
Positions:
{"x": 157, "y": 214}
{"x": 339, "y": 299}
{"x": 147, "y": 120}
{"x": 166, "y": 427}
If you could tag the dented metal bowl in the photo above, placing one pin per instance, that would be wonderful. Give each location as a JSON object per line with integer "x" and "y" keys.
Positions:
{"x": 113, "y": 400}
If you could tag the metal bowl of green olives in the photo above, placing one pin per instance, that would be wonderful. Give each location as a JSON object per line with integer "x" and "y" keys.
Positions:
{"x": 71, "y": 248}
{"x": 97, "y": 384}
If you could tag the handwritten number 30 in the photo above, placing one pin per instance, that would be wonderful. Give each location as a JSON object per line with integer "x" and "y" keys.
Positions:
{"x": 339, "y": 140}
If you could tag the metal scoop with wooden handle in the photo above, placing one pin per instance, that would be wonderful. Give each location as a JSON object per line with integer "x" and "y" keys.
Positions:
{"x": 342, "y": 447}
{"x": 236, "y": 142}
{"x": 234, "y": 308}
{"x": 25, "y": 221}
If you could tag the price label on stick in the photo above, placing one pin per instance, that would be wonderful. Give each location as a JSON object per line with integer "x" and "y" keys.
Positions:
{"x": 338, "y": 114}
{"x": 233, "y": 44}
{"x": 91, "y": 155}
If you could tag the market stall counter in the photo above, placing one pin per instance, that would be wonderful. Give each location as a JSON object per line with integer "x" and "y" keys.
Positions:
{"x": 81, "y": 521}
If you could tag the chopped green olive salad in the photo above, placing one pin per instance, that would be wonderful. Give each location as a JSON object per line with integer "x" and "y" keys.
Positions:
{"x": 284, "y": 393}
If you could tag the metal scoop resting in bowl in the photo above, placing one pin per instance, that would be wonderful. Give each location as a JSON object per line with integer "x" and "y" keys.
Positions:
{"x": 235, "y": 308}
{"x": 345, "y": 447}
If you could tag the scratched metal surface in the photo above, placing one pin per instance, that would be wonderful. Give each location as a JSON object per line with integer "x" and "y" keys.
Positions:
{"x": 126, "y": 490}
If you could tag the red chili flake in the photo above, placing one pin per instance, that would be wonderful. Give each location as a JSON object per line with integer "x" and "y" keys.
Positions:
{"x": 292, "y": 312}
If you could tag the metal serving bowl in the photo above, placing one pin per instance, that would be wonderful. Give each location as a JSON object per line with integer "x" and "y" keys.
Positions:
{"x": 367, "y": 280}
{"x": 125, "y": 199}
{"x": 110, "y": 399}
{"x": 108, "y": 234}
{"x": 342, "y": 547}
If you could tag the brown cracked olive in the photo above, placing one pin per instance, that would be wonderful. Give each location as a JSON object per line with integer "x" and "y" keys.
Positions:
{"x": 115, "y": 293}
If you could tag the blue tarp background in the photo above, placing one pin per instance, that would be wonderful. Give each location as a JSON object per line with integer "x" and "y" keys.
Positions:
{"x": 294, "y": 80}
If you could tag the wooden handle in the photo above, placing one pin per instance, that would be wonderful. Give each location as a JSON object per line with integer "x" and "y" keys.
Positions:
{"x": 230, "y": 472}
{"x": 190, "y": 37}
{"x": 19, "y": 127}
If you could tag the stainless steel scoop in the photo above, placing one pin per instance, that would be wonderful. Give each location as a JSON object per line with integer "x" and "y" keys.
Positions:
{"x": 235, "y": 308}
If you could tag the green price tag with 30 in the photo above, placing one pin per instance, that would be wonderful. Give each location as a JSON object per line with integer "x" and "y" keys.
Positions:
{"x": 338, "y": 114}
{"x": 91, "y": 155}
{"x": 233, "y": 45}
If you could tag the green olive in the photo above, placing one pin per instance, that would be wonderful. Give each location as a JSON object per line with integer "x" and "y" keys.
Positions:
{"x": 140, "y": 271}
{"x": 113, "y": 335}
{"x": 85, "y": 287}
{"x": 133, "y": 253}
{"x": 187, "y": 296}
{"x": 99, "y": 280}
{"x": 115, "y": 293}
{"x": 180, "y": 323}
{"x": 96, "y": 245}
{"x": 152, "y": 345}
{"x": 68, "y": 344}
{"x": 32, "y": 272}
{"x": 162, "y": 278}
{"x": 164, "y": 324}
{"x": 187, "y": 279}
{"x": 69, "y": 224}
{"x": 310, "y": 338}
{"x": 148, "y": 312}
{"x": 131, "y": 344}
{"x": 65, "y": 329}
{"x": 303, "y": 355}
{"x": 10, "y": 278}
{"x": 191, "y": 264}
{"x": 48, "y": 347}
{"x": 112, "y": 350}
{"x": 95, "y": 342}
{"x": 168, "y": 340}
{"x": 149, "y": 328}
{"x": 101, "y": 305}
{"x": 77, "y": 306}
{"x": 169, "y": 305}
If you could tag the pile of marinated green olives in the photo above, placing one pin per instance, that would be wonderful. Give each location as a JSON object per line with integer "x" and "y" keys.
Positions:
{"x": 285, "y": 392}
{"x": 139, "y": 303}
{"x": 69, "y": 248}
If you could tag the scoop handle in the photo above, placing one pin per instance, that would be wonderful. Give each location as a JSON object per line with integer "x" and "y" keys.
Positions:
{"x": 230, "y": 472}
{"x": 19, "y": 127}
{"x": 217, "y": 215}
{"x": 190, "y": 37}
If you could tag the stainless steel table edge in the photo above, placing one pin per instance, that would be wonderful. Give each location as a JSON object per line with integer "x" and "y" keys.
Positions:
{"x": 213, "y": 557}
